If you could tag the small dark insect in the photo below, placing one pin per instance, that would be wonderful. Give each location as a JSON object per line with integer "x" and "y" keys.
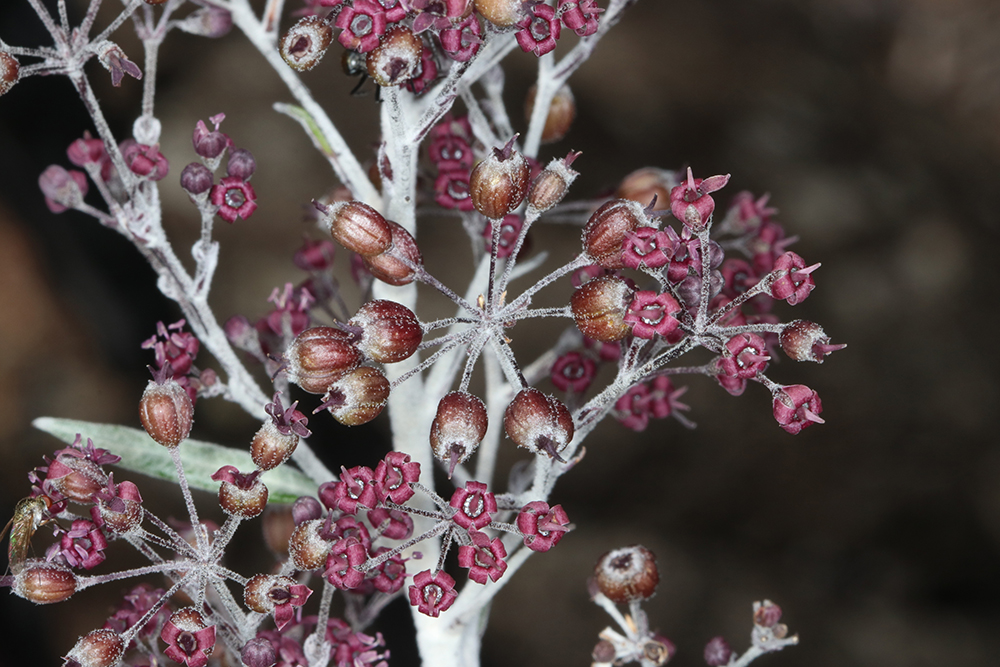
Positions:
{"x": 29, "y": 516}
{"x": 355, "y": 64}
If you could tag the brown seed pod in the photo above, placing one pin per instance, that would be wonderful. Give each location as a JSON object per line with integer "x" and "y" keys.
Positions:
{"x": 320, "y": 355}
{"x": 10, "y": 70}
{"x": 244, "y": 497}
{"x": 501, "y": 13}
{"x": 358, "y": 397}
{"x": 562, "y": 112}
{"x": 358, "y": 227}
{"x": 166, "y": 412}
{"x": 643, "y": 184}
{"x": 100, "y": 648}
{"x": 270, "y": 447}
{"x": 803, "y": 340}
{"x": 257, "y": 594}
{"x": 627, "y": 574}
{"x": 499, "y": 183}
{"x": 396, "y": 265}
{"x": 549, "y": 188}
{"x": 599, "y": 308}
{"x": 458, "y": 427}
{"x": 538, "y": 422}
{"x": 396, "y": 59}
{"x": 44, "y": 583}
{"x": 306, "y": 547}
{"x": 306, "y": 42}
{"x": 390, "y": 331}
{"x": 607, "y": 229}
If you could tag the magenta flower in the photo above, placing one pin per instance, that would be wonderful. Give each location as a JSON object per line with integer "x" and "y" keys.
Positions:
{"x": 287, "y": 420}
{"x": 463, "y": 40}
{"x": 510, "y": 229}
{"x": 793, "y": 282}
{"x": 393, "y": 524}
{"x": 134, "y": 607}
{"x": 432, "y": 593}
{"x": 86, "y": 151}
{"x": 113, "y": 59}
{"x": 83, "y": 545}
{"x": 210, "y": 144}
{"x": 291, "y": 312}
{"x": 436, "y": 15}
{"x": 691, "y": 202}
{"x": 234, "y": 197}
{"x": 580, "y": 16}
{"x": 449, "y": 151}
{"x": 363, "y": 22}
{"x": 796, "y": 407}
{"x": 427, "y": 72}
{"x": 349, "y": 526}
{"x": 647, "y": 247}
{"x": 662, "y": 401}
{"x": 475, "y": 506}
{"x": 483, "y": 557}
{"x": 353, "y": 649}
{"x": 394, "y": 477}
{"x": 66, "y": 189}
{"x": 278, "y": 595}
{"x": 451, "y": 189}
{"x": 118, "y": 507}
{"x": 542, "y": 526}
{"x": 746, "y": 213}
{"x": 573, "y": 372}
{"x": 539, "y": 30}
{"x": 189, "y": 639}
{"x": 73, "y": 473}
{"x": 767, "y": 245}
{"x": 745, "y": 356}
{"x": 356, "y": 487}
{"x": 143, "y": 160}
{"x": 738, "y": 276}
{"x": 342, "y": 563}
{"x": 390, "y": 574}
{"x": 632, "y": 409}
{"x": 651, "y": 314}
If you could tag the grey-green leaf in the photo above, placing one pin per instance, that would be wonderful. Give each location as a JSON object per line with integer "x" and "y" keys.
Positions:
{"x": 201, "y": 459}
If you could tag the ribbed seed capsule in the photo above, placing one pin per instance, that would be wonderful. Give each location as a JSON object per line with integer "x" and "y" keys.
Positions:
{"x": 627, "y": 574}
{"x": 499, "y": 182}
{"x": 608, "y": 228}
{"x": 100, "y": 648}
{"x": 305, "y": 43}
{"x": 549, "y": 188}
{"x": 599, "y": 307}
{"x": 358, "y": 397}
{"x": 396, "y": 59}
{"x": 396, "y": 265}
{"x": 320, "y": 355}
{"x": 166, "y": 412}
{"x": 10, "y": 70}
{"x": 390, "y": 332}
{"x": 270, "y": 447}
{"x": 306, "y": 547}
{"x": 538, "y": 422}
{"x": 803, "y": 340}
{"x": 44, "y": 583}
{"x": 241, "y": 495}
{"x": 358, "y": 227}
{"x": 458, "y": 427}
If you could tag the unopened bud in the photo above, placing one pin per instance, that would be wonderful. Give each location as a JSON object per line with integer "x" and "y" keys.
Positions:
{"x": 196, "y": 179}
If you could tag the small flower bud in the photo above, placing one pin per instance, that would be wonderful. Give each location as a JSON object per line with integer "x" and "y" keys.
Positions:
{"x": 627, "y": 574}
{"x": 390, "y": 332}
{"x": 241, "y": 495}
{"x": 551, "y": 185}
{"x": 196, "y": 179}
{"x": 320, "y": 355}
{"x": 538, "y": 422}
{"x": 397, "y": 265}
{"x": 766, "y": 614}
{"x": 357, "y": 397}
{"x": 608, "y": 228}
{"x": 166, "y": 412}
{"x": 305, "y": 43}
{"x": 805, "y": 341}
{"x": 100, "y": 648}
{"x": 270, "y": 448}
{"x": 306, "y": 547}
{"x": 499, "y": 183}
{"x": 44, "y": 583}
{"x": 599, "y": 307}
{"x": 209, "y": 21}
{"x": 717, "y": 652}
{"x": 396, "y": 59}
{"x": 458, "y": 427}
{"x": 501, "y": 13}
{"x": 358, "y": 227}
{"x": 562, "y": 111}
{"x": 10, "y": 69}
{"x": 209, "y": 144}
{"x": 241, "y": 164}
{"x": 258, "y": 652}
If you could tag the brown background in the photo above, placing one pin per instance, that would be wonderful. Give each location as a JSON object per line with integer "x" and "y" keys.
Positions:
{"x": 874, "y": 124}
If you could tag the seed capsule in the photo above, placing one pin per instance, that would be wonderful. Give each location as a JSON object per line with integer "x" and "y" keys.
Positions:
{"x": 270, "y": 448}
{"x": 501, "y": 13}
{"x": 241, "y": 495}
{"x": 10, "y": 69}
{"x": 390, "y": 331}
{"x": 358, "y": 396}
{"x": 499, "y": 183}
{"x": 607, "y": 229}
{"x": 551, "y": 185}
{"x": 166, "y": 412}
{"x": 396, "y": 59}
{"x": 44, "y": 583}
{"x": 599, "y": 307}
{"x": 538, "y": 422}
{"x": 627, "y": 574}
{"x": 305, "y": 43}
{"x": 100, "y": 648}
{"x": 458, "y": 427}
{"x": 358, "y": 227}
{"x": 397, "y": 265}
{"x": 643, "y": 184}
{"x": 803, "y": 340}
{"x": 306, "y": 547}
{"x": 562, "y": 112}
{"x": 320, "y": 355}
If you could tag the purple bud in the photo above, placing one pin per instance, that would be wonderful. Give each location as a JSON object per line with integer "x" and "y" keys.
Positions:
{"x": 209, "y": 144}
{"x": 196, "y": 179}
{"x": 62, "y": 189}
{"x": 241, "y": 164}
{"x": 209, "y": 22}
{"x": 258, "y": 653}
{"x": 717, "y": 652}
{"x": 306, "y": 508}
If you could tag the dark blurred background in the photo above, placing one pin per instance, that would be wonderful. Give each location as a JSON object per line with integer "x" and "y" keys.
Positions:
{"x": 875, "y": 126}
